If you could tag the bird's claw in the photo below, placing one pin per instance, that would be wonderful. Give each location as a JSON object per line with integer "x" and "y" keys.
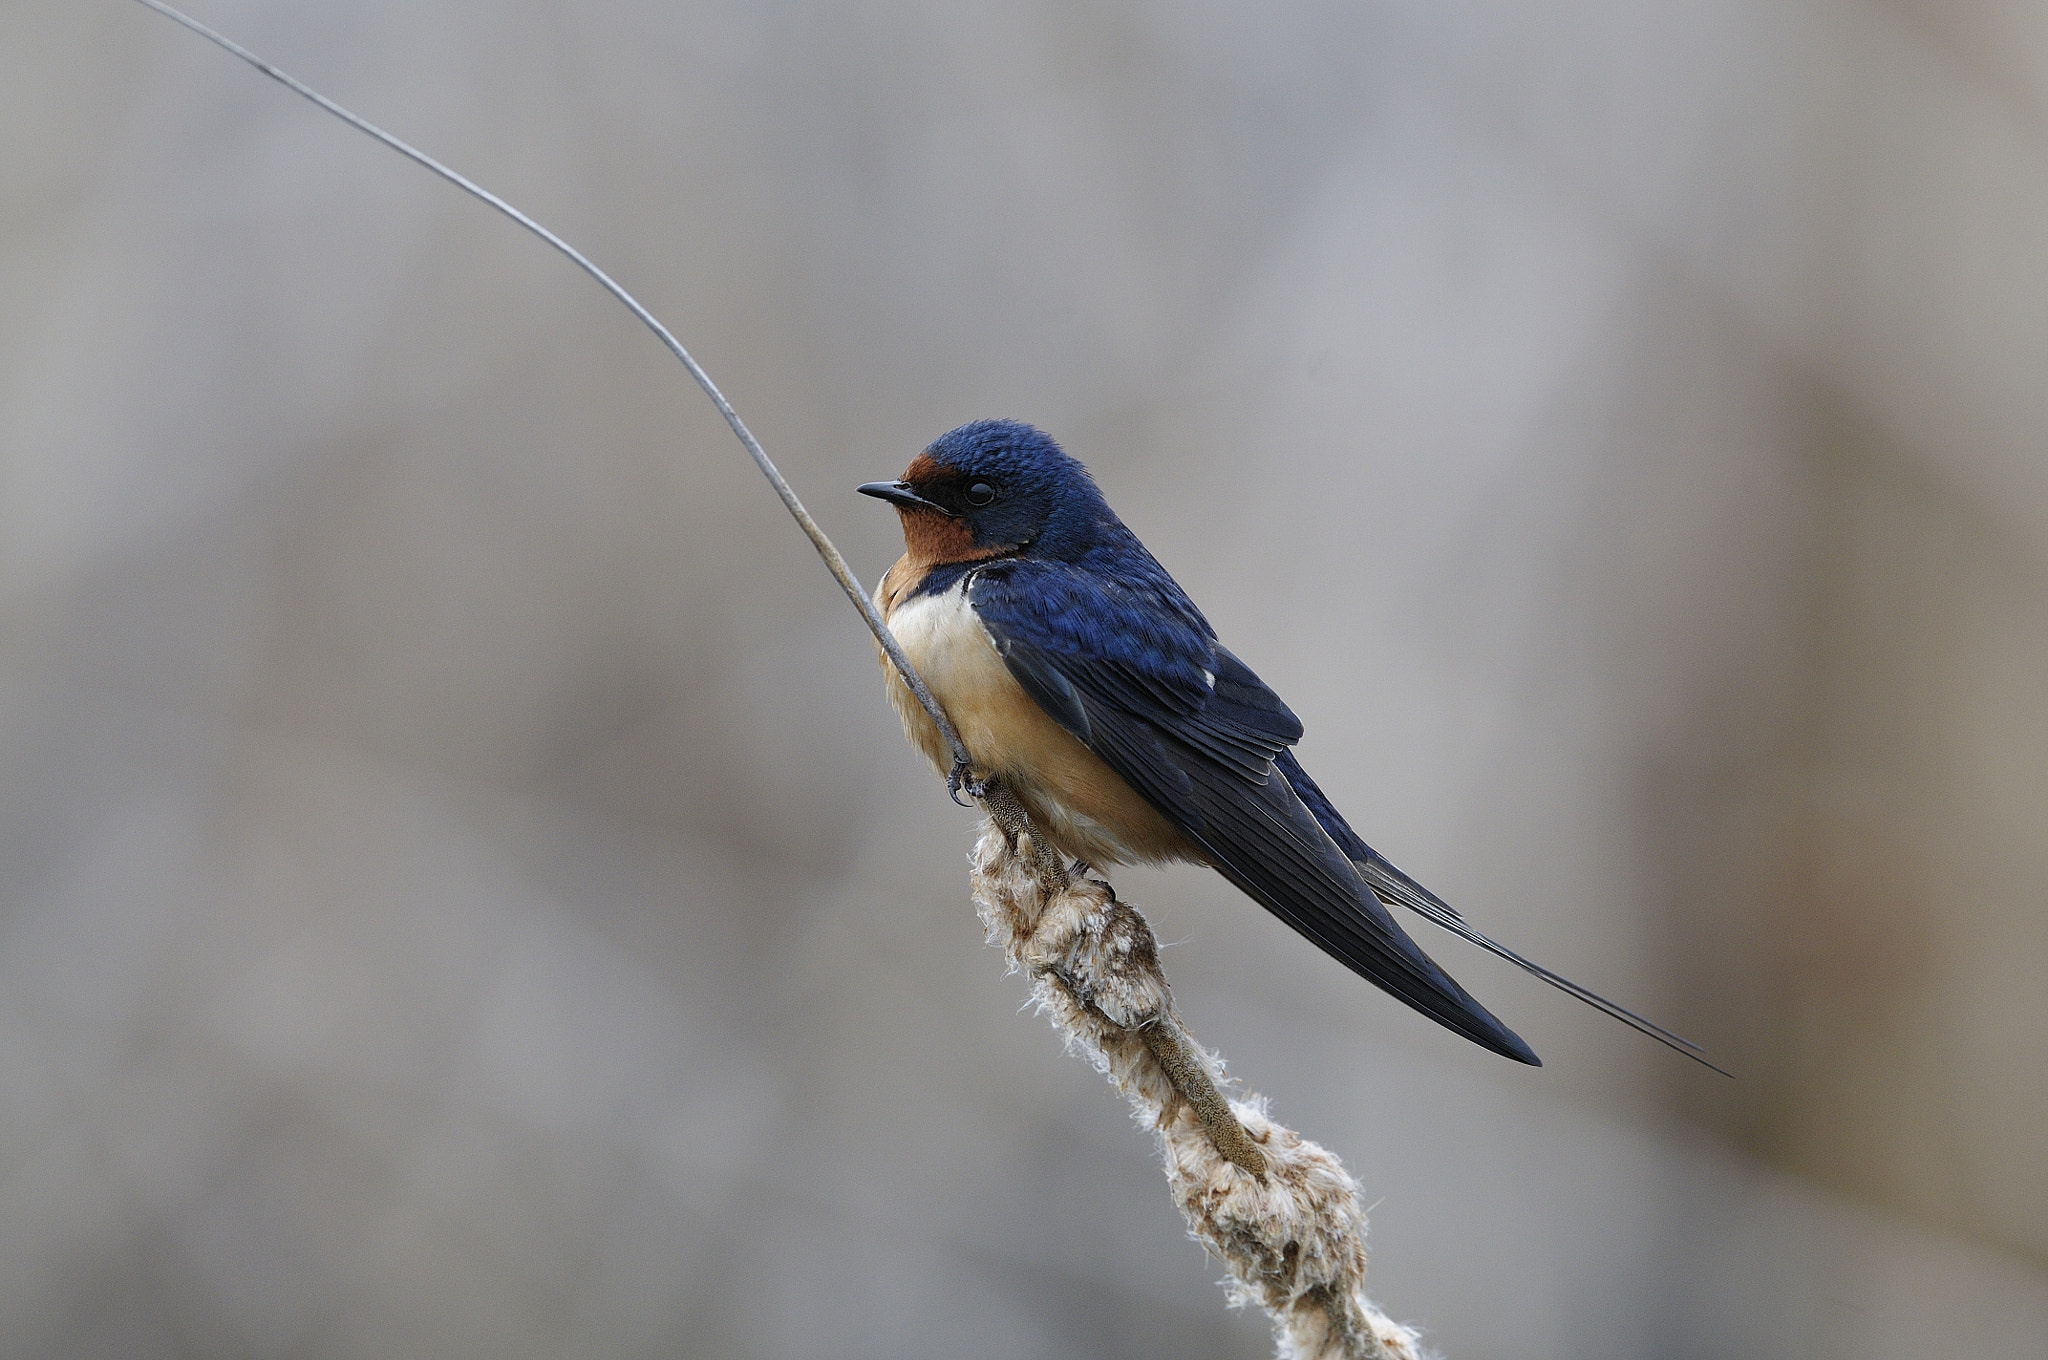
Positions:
{"x": 958, "y": 779}
{"x": 1085, "y": 871}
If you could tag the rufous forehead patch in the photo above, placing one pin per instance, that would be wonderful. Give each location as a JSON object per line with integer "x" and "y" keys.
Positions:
{"x": 925, "y": 468}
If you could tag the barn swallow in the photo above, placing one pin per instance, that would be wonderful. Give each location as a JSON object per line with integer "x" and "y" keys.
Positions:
{"x": 1082, "y": 676}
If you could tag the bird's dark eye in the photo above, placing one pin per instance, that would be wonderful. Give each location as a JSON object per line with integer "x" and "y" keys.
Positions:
{"x": 980, "y": 493}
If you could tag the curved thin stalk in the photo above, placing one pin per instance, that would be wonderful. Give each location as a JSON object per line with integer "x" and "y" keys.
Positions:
{"x": 835, "y": 563}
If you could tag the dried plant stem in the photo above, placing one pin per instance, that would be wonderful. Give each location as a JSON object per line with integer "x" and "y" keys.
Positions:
{"x": 1158, "y": 1027}
{"x": 1280, "y": 1212}
{"x": 834, "y": 563}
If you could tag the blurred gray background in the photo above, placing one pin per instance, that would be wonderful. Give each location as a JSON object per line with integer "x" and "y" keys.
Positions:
{"x": 463, "y": 893}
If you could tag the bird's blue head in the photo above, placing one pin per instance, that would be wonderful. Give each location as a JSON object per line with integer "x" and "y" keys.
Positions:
{"x": 995, "y": 488}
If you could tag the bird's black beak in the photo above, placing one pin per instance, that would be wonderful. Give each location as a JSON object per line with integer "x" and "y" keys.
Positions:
{"x": 904, "y": 495}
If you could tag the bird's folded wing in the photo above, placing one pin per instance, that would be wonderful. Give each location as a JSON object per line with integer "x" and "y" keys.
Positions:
{"x": 1135, "y": 674}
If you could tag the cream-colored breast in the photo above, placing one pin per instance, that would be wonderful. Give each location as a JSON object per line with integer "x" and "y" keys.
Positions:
{"x": 1080, "y": 803}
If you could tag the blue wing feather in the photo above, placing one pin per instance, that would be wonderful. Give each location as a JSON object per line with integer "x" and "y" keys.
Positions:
{"x": 1127, "y": 664}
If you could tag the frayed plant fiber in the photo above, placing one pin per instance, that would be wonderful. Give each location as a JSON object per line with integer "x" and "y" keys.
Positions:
{"x": 1280, "y": 1212}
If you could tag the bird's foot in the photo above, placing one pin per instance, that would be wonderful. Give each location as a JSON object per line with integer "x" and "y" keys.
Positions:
{"x": 1085, "y": 871}
{"x": 960, "y": 778}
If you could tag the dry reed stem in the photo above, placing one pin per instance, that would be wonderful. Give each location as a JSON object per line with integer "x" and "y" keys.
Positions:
{"x": 1280, "y": 1212}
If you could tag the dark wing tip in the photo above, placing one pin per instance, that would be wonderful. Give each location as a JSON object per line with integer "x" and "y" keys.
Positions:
{"x": 1484, "y": 1028}
{"x": 1521, "y": 1052}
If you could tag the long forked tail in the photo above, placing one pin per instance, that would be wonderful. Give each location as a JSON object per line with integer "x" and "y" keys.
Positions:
{"x": 1395, "y": 888}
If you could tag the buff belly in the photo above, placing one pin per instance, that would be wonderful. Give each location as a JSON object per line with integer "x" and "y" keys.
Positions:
{"x": 1081, "y": 805}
